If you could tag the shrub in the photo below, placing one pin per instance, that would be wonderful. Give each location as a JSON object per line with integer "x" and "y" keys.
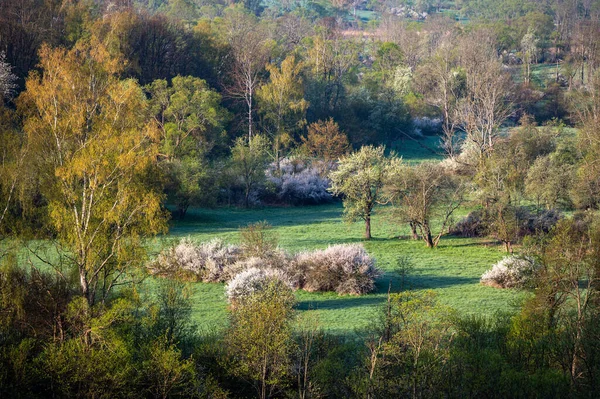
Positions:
{"x": 472, "y": 225}
{"x": 257, "y": 239}
{"x": 277, "y": 259}
{"x": 510, "y": 272}
{"x": 298, "y": 183}
{"x": 254, "y": 280}
{"x": 479, "y": 223}
{"x": 542, "y": 222}
{"x": 202, "y": 261}
{"x": 345, "y": 269}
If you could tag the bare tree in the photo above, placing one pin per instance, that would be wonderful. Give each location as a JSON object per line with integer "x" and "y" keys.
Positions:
{"x": 422, "y": 193}
{"x": 486, "y": 105}
{"x": 250, "y": 45}
{"x": 442, "y": 84}
{"x": 7, "y": 79}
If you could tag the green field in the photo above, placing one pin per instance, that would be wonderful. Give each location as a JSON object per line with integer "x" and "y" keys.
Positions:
{"x": 452, "y": 270}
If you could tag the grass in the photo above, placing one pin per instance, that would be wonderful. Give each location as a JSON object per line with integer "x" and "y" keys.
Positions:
{"x": 426, "y": 148}
{"x": 452, "y": 270}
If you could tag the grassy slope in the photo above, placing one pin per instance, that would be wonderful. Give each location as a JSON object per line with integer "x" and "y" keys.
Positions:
{"x": 452, "y": 270}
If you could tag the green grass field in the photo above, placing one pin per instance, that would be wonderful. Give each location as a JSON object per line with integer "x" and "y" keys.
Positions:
{"x": 452, "y": 270}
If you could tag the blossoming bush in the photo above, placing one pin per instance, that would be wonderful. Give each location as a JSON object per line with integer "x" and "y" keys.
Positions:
{"x": 205, "y": 261}
{"x": 345, "y": 269}
{"x": 511, "y": 272}
{"x": 254, "y": 280}
{"x": 296, "y": 182}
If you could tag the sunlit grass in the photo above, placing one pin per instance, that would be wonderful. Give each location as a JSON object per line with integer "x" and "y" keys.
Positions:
{"x": 452, "y": 270}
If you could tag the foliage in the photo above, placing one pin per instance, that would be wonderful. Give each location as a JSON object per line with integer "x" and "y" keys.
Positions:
{"x": 259, "y": 340}
{"x": 94, "y": 153}
{"x": 325, "y": 141}
{"x": 258, "y": 239}
{"x": 249, "y": 159}
{"x": 511, "y": 272}
{"x": 360, "y": 178}
{"x": 282, "y": 105}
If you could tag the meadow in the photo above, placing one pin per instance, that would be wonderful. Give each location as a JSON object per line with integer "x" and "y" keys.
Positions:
{"x": 452, "y": 270}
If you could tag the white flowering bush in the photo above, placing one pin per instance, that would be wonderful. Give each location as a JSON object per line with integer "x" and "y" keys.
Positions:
{"x": 427, "y": 125}
{"x": 345, "y": 269}
{"x": 202, "y": 261}
{"x": 511, "y": 272}
{"x": 298, "y": 183}
{"x": 278, "y": 260}
{"x": 254, "y": 280}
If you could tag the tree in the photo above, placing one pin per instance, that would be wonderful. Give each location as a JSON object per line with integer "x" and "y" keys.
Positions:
{"x": 190, "y": 119}
{"x": 7, "y": 79}
{"x": 529, "y": 51}
{"x": 95, "y": 152}
{"x": 282, "y": 104}
{"x": 189, "y": 116}
{"x": 566, "y": 294}
{"x": 359, "y": 179}
{"x": 325, "y": 141}
{"x": 250, "y": 47}
{"x": 423, "y": 192}
{"x": 249, "y": 160}
{"x": 259, "y": 340}
{"x": 442, "y": 83}
{"x": 486, "y": 104}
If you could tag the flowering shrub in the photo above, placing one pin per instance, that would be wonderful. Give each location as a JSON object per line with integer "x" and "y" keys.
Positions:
{"x": 298, "y": 183}
{"x": 510, "y": 272}
{"x": 345, "y": 269}
{"x": 278, "y": 260}
{"x": 427, "y": 126}
{"x": 254, "y": 280}
{"x": 202, "y": 261}
{"x": 472, "y": 225}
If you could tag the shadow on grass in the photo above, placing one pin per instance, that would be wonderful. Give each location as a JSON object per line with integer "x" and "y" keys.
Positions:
{"x": 231, "y": 219}
{"x": 341, "y": 302}
{"x": 434, "y": 281}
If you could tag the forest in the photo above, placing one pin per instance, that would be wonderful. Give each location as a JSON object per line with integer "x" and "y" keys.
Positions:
{"x": 299, "y": 199}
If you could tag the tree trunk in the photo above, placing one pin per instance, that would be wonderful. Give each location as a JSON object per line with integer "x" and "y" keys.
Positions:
{"x": 413, "y": 230}
{"x": 250, "y": 117}
{"x": 247, "y": 198}
{"x": 427, "y": 235}
{"x": 85, "y": 287}
{"x": 368, "y": 227}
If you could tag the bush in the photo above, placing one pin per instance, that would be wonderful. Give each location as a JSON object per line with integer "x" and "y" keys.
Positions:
{"x": 201, "y": 261}
{"x": 479, "y": 223}
{"x": 254, "y": 280}
{"x": 345, "y": 269}
{"x": 472, "y": 225}
{"x": 258, "y": 240}
{"x": 278, "y": 260}
{"x": 298, "y": 183}
{"x": 510, "y": 272}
